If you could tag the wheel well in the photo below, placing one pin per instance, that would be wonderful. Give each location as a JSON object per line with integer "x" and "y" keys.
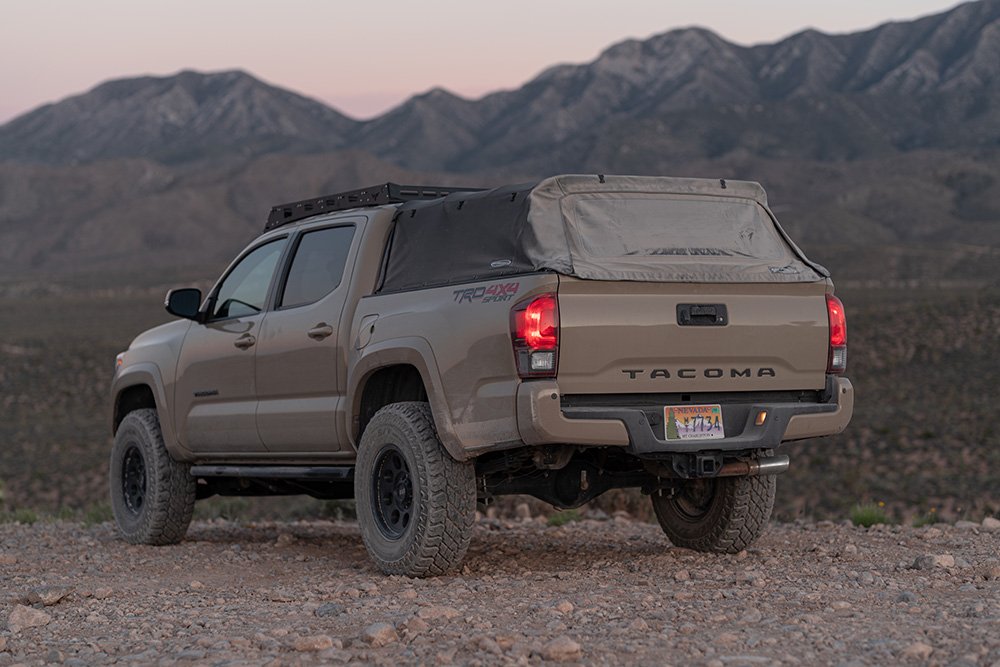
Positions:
{"x": 389, "y": 385}
{"x": 132, "y": 398}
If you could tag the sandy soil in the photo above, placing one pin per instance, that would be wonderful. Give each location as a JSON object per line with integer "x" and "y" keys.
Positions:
{"x": 609, "y": 591}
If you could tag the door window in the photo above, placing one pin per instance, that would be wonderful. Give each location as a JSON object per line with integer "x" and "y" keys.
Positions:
{"x": 244, "y": 291}
{"x": 318, "y": 266}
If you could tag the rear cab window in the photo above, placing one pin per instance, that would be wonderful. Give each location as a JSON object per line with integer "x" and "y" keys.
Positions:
{"x": 317, "y": 266}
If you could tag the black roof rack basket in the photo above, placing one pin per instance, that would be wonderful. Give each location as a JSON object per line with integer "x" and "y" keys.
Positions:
{"x": 376, "y": 195}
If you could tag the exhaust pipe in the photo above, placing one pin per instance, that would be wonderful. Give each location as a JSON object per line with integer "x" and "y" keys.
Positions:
{"x": 773, "y": 465}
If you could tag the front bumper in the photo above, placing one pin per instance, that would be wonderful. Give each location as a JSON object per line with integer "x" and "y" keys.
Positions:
{"x": 543, "y": 420}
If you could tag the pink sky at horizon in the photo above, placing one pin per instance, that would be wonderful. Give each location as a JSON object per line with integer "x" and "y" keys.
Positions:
{"x": 364, "y": 58}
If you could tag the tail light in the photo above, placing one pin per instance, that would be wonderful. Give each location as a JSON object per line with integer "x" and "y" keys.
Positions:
{"x": 534, "y": 330}
{"x": 837, "y": 359}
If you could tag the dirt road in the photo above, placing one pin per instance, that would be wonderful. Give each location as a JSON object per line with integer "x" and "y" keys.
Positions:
{"x": 595, "y": 592}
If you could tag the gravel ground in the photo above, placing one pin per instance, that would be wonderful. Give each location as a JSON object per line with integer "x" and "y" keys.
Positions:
{"x": 609, "y": 591}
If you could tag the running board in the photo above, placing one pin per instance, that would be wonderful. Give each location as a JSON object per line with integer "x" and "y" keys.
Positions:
{"x": 319, "y": 473}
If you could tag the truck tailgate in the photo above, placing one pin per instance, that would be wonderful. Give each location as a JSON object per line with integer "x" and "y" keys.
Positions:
{"x": 627, "y": 337}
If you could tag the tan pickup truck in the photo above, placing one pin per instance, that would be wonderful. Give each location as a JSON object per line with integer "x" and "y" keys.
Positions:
{"x": 422, "y": 349}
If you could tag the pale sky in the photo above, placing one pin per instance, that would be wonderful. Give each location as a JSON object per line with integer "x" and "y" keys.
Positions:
{"x": 365, "y": 56}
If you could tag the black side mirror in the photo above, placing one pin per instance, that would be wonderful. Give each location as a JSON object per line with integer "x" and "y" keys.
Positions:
{"x": 184, "y": 302}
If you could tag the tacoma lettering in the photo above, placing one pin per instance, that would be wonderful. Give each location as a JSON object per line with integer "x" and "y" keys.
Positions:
{"x": 691, "y": 373}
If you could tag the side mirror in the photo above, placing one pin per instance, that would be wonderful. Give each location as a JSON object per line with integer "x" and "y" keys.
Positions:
{"x": 184, "y": 302}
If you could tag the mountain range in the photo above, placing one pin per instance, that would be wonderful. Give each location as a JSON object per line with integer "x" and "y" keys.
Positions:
{"x": 891, "y": 134}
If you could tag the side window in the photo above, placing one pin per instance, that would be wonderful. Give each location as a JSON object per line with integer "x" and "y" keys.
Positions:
{"x": 318, "y": 266}
{"x": 244, "y": 291}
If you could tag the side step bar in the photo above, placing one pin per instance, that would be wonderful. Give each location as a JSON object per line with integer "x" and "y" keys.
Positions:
{"x": 317, "y": 473}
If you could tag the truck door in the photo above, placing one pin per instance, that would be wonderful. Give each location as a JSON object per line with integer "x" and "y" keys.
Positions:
{"x": 301, "y": 348}
{"x": 215, "y": 393}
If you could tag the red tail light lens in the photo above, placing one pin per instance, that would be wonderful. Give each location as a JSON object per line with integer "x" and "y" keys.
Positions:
{"x": 837, "y": 359}
{"x": 534, "y": 331}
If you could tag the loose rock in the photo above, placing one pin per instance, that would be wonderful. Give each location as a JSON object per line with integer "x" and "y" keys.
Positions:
{"x": 416, "y": 625}
{"x": 329, "y": 609}
{"x": 991, "y": 525}
{"x": 918, "y": 651}
{"x": 436, "y": 612}
{"x": 562, "y": 649}
{"x": 379, "y": 634}
{"x": 22, "y": 617}
{"x": 313, "y": 643}
{"x": 929, "y": 562}
{"x": 944, "y": 560}
{"x": 48, "y": 595}
{"x": 564, "y": 607}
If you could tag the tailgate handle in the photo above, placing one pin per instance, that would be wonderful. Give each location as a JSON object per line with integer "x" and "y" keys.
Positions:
{"x": 702, "y": 315}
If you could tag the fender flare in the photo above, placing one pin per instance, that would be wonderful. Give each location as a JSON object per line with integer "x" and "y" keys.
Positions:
{"x": 148, "y": 374}
{"x": 414, "y": 351}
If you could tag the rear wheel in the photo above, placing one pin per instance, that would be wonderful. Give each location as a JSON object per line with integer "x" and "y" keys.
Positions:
{"x": 720, "y": 514}
{"x": 416, "y": 505}
{"x": 152, "y": 496}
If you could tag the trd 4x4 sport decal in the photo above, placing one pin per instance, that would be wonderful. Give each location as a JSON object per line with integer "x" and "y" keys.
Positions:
{"x": 487, "y": 293}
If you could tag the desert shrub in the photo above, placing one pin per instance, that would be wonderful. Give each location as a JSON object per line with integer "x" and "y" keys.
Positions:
{"x": 868, "y": 514}
{"x": 563, "y": 517}
{"x": 926, "y": 519}
{"x": 21, "y": 515}
{"x": 97, "y": 513}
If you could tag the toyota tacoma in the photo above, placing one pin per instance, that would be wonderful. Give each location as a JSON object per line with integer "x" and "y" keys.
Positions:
{"x": 425, "y": 349}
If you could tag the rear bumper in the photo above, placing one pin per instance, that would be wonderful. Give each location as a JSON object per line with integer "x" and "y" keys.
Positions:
{"x": 542, "y": 420}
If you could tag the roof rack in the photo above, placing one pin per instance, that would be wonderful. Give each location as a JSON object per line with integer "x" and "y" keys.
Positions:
{"x": 376, "y": 195}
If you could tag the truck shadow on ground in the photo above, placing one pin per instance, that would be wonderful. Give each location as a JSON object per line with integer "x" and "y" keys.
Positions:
{"x": 514, "y": 550}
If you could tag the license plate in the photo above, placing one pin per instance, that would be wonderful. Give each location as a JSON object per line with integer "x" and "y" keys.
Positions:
{"x": 693, "y": 422}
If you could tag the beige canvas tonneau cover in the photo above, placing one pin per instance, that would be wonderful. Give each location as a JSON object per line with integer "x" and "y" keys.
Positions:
{"x": 638, "y": 228}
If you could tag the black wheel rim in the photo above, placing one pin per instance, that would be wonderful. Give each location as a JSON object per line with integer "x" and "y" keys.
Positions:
{"x": 694, "y": 499}
{"x": 133, "y": 480}
{"x": 392, "y": 493}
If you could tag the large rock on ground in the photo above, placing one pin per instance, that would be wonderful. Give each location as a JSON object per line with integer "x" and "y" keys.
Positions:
{"x": 22, "y": 617}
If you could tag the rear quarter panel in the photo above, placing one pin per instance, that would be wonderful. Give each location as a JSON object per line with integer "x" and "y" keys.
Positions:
{"x": 466, "y": 327}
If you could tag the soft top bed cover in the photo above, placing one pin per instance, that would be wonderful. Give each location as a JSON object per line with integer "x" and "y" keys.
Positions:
{"x": 640, "y": 228}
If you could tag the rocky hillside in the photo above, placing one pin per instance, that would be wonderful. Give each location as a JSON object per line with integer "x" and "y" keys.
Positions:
{"x": 928, "y": 215}
{"x": 187, "y": 117}
{"x": 889, "y": 136}
{"x": 929, "y": 83}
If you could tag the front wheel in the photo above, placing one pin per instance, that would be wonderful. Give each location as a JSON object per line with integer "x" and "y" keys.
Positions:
{"x": 416, "y": 504}
{"x": 720, "y": 514}
{"x": 152, "y": 495}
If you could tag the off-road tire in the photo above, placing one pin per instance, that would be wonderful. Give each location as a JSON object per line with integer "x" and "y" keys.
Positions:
{"x": 158, "y": 508}
{"x": 731, "y": 518}
{"x": 443, "y": 494}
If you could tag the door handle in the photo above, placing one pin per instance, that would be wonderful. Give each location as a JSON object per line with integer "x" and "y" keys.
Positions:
{"x": 320, "y": 331}
{"x": 245, "y": 342}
